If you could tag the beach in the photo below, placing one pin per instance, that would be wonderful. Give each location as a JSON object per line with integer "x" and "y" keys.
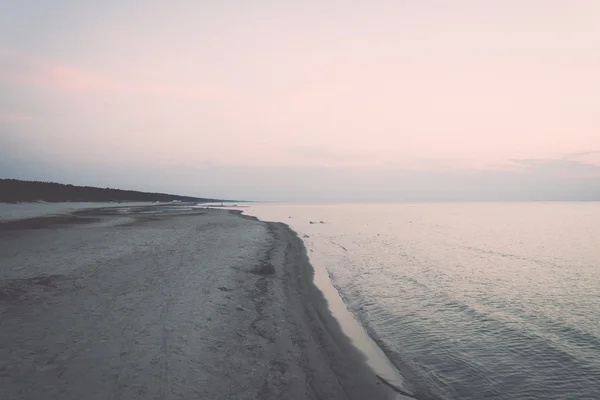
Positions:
{"x": 158, "y": 303}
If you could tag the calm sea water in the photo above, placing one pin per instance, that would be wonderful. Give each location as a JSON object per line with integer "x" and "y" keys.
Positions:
{"x": 469, "y": 301}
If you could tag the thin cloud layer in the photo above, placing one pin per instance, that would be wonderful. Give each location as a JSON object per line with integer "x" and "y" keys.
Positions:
{"x": 383, "y": 102}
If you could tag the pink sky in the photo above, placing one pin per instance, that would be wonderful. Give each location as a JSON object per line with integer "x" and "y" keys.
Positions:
{"x": 422, "y": 86}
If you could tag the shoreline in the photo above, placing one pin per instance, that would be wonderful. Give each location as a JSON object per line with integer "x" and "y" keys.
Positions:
{"x": 319, "y": 302}
{"x": 170, "y": 314}
{"x": 349, "y": 325}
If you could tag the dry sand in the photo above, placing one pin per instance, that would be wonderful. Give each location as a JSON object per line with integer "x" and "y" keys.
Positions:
{"x": 179, "y": 305}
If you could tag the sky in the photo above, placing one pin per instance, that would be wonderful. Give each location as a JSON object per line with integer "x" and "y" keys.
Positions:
{"x": 403, "y": 100}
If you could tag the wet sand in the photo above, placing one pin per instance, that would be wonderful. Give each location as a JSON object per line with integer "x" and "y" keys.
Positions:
{"x": 196, "y": 304}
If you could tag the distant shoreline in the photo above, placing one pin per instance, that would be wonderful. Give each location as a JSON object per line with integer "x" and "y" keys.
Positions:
{"x": 20, "y": 191}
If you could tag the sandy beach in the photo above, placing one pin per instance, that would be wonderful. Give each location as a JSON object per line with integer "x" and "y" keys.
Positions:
{"x": 190, "y": 304}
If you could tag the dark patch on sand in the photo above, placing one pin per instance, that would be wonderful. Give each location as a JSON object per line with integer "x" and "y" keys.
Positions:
{"x": 13, "y": 289}
{"x": 265, "y": 268}
{"x": 46, "y": 222}
{"x": 240, "y": 213}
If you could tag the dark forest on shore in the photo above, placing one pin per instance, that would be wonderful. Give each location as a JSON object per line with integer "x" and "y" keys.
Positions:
{"x": 14, "y": 190}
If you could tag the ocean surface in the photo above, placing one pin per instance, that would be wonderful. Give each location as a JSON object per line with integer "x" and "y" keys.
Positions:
{"x": 468, "y": 300}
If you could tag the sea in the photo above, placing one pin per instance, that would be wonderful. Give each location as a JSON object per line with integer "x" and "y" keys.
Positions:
{"x": 466, "y": 300}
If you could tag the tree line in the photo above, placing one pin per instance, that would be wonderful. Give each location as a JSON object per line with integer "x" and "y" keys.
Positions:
{"x": 15, "y": 190}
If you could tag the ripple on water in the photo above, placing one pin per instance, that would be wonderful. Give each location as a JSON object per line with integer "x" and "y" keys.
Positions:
{"x": 470, "y": 301}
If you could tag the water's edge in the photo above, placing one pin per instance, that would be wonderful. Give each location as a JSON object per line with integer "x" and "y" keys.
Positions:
{"x": 350, "y": 323}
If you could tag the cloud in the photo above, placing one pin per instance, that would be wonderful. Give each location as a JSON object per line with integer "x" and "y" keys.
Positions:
{"x": 13, "y": 118}
{"x": 588, "y": 157}
{"x": 306, "y": 154}
{"x": 24, "y": 69}
{"x": 580, "y": 154}
{"x": 27, "y": 70}
{"x": 565, "y": 167}
{"x": 534, "y": 181}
